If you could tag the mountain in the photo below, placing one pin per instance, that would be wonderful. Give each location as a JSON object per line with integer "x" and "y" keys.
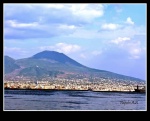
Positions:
{"x": 9, "y": 64}
{"x": 56, "y": 56}
{"x": 38, "y": 72}
{"x": 48, "y": 64}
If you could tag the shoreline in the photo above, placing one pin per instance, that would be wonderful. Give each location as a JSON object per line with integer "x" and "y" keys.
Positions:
{"x": 73, "y": 90}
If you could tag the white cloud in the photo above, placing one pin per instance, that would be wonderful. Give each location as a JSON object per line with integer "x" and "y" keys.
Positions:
{"x": 87, "y": 11}
{"x": 135, "y": 53}
{"x": 96, "y": 52}
{"x": 107, "y": 35}
{"x": 84, "y": 33}
{"x": 12, "y": 49}
{"x": 83, "y": 56}
{"x": 67, "y": 48}
{"x": 48, "y": 20}
{"x": 64, "y": 26}
{"x": 15, "y": 24}
{"x": 63, "y": 47}
{"x": 129, "y": 21}
{"x": 120, "y": 40}
{"x": 109, "y": 26}
{"x": 133, "y": 48}
{"x": 14, "y": 29}
{"x": 56, "y": 6}
{"x": 15, "y": 52}
{"x": 119, "y": 10}
{"x": 81, "y": 12}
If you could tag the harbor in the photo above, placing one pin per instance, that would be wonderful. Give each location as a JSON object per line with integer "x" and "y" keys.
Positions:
{"x": 76, "y": 85}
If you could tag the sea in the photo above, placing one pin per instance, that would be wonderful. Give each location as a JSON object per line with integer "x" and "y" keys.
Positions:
{"x": 56, "y": 100}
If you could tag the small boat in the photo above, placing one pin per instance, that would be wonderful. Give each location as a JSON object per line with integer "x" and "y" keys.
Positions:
{"x": 139, "y": 89}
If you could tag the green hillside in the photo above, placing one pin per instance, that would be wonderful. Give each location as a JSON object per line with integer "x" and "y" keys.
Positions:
{"x": 52, "y": 64}
{"x": 9, "y": 64}
{"x": 38, "y": 72}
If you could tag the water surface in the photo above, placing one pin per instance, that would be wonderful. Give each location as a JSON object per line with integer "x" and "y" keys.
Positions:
{"x": 72, "y": 100}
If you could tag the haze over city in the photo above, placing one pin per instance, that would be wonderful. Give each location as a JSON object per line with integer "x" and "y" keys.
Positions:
{"x": 108, "y": 37}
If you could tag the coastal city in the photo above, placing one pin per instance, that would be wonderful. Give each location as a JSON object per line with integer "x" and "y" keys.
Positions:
{"x": 101, "y": 84}
{"x": 74, "y": 57}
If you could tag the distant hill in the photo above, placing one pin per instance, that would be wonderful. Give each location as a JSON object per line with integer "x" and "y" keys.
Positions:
{"x": 9, "y": 64}
{"x": 54, "y": 64}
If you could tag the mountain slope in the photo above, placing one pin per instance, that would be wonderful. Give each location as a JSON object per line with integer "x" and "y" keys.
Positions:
{"x": 56, "y": 56}
{"x": 52, "y": 64}
{"x": 9, "y": 64}
{"x": 38, "y": 72}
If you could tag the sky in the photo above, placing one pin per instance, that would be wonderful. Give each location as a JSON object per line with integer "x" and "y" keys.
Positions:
{"x": 108, "y": 37}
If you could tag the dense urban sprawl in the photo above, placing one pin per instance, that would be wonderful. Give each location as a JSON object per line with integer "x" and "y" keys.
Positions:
{"x": 96, "y": 84}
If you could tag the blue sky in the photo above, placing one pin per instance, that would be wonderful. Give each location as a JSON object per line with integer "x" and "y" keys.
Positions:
{"x": 109, "y": 37}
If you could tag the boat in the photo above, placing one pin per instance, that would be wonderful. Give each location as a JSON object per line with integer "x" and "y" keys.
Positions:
{"x": 140, "y": 89}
